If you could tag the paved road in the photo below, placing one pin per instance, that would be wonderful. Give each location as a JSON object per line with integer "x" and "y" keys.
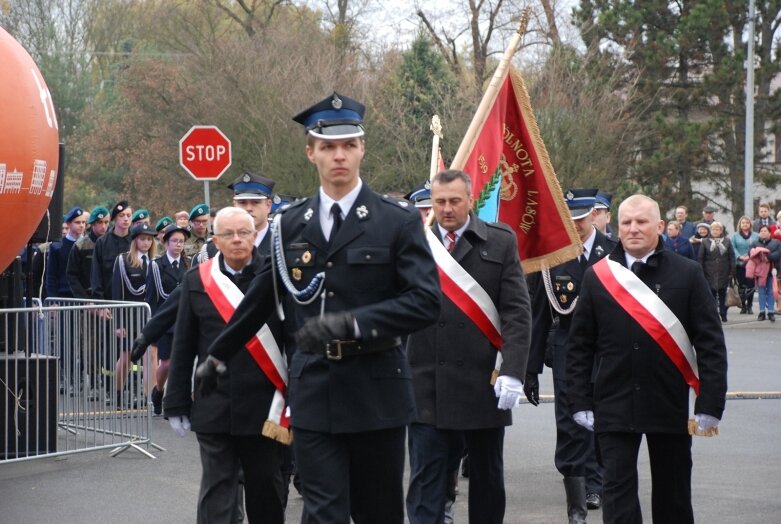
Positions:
{"x": 737, "y": 476}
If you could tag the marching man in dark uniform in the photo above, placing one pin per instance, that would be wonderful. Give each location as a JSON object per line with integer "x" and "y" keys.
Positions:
{"x": 453, "y": 361}
{"x": 555, "y": 296}
{"x": 229, "y": 421}
{"x": 645, "y": 332}
{"x": 56, "y": 274}
{"x": 357, "y": 275}
{"x": 165, "y": 274}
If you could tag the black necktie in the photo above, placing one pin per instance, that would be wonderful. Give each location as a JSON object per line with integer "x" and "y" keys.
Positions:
{"x": 637, "y": 266}
{"x": 583, "y": 261}
{"x": 143, "y": 262}
{"x": 175, "y": 265}
{"x": 336, "y": 211}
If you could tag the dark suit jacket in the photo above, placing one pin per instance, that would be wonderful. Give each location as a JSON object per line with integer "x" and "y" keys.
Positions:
{"x": 379, "y": 268}
{"x": 452, "y": 360}
{"x": 170, "y": 278}
{"x": 240, "y": 404}
{"x": 636, "y": 387}
{"x": 566, "y": 280}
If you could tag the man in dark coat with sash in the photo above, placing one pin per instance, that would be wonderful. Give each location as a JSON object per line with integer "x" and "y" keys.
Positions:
{"x": 231, "y": 421}
{"x": 640, "y": 339}
{"x": 555, "y": 294}
{"x": 453, "y": 362}
{"x": 356, "y": 275}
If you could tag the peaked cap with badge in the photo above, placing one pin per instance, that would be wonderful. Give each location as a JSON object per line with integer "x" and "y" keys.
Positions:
{"x": 580, "y": 202}
{"x": 421, "y": 195}
{"x": 249, "y": 186}
{"x": 603, "y": 200}
{"x": 336, "y": 117}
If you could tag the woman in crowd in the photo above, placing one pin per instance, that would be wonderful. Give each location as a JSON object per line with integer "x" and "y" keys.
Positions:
{"x": 675, "y": 242}
{"x": 702, "y": 232}
{"x": 763, "y": 256}
{"x": 128, "y": 283}
{"x": 717, "y": 259}
{"x": 741, "y": 242}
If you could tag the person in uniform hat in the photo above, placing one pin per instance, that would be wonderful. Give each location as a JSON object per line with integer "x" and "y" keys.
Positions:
{"x": 357, "y": 274}
{"x": 646, "y": 330}
{"x": 56, "y": 272}
{"x": 164, "y": 275}
{"x": 555, "y": 293}
{"x": 182, "y": 218}
{"x": 601, "y": 212}
{"x": 420, "y": 197}
{"x": 129, "y": 285}
{"x": 453, "y": 362}
{"x": 199, "y": 229}
{"x": 108, "y": 248}
{"x": 78, "y": 272}
{"x": 57, "y": 286}
{"x": 252, "y": 193}
{"x": 280, "y": 201}
{"x": 160, "y": 226}
{"x": 708, "y": 214}
{"x": 140, "y": 216}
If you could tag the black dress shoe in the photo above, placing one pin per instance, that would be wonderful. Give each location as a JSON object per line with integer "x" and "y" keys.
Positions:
{"x": 761, "y": 316}
{"x": 593, "y": 501}
{"x": 771, "y": 317}
{"x": 157, "y": 401}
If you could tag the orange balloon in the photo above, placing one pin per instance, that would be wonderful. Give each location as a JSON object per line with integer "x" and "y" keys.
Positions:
{"x": 28, "y": 147}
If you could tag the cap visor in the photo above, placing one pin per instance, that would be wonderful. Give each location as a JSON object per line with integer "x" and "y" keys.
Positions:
{"x": 338, "y": 132}
{"x": 579, "y": 213}
{"x": 249, "y": 196}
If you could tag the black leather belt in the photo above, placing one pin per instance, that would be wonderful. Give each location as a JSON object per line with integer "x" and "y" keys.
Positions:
{"x": 338, "y": 349}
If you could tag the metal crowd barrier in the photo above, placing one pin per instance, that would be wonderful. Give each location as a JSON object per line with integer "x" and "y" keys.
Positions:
{"x": 59, "y": 389}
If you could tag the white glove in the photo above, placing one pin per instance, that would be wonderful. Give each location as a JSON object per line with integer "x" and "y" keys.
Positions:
{"x": 705, "y": 422}
{"x": 509, "y": 390}
{"x": 585, "y": 419}
{"x": 180, "y": 425}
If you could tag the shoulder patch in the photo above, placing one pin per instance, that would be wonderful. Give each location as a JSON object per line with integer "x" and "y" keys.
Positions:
{"x": 500, "y": 226}
{"x": 396, "y": 203}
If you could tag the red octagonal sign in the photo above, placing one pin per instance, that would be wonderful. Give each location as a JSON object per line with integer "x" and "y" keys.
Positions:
{"x": 205, "y": 152}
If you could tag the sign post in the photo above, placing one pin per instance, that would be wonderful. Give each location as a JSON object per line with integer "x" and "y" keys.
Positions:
{"x": 205, "y": 153}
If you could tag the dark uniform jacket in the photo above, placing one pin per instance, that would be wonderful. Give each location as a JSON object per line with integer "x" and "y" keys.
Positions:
{"x": 378, "y": 267}
{"x": 80, "y": 265}
{"x": 121, "y": 290}
{"x": 566, "y": 280}
{"x": 107, "y": 248}
{"x": 636, "y": 387}
{"x": 452, "y": 360}
{"x": 170, "y": 278}
{"x": 240, "y": 404}
{"x": 56, "y": 279}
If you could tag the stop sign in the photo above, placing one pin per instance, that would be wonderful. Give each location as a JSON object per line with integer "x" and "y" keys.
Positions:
{"x": 205, "y": 152}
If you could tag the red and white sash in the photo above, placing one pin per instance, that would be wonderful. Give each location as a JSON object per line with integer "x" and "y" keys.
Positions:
{"x": 653, "y": 315}
{"x": 263, "y": 348}
{"x": 467, "y": 294}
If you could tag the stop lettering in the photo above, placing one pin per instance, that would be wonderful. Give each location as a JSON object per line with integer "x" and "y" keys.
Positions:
{"x": 205, "y": 152}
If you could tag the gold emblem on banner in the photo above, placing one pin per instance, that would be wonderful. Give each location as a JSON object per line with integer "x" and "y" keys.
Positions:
{"x": 296, "y": 273}
{"x": 306, "y": 257}
{"x": 509, "y": 188}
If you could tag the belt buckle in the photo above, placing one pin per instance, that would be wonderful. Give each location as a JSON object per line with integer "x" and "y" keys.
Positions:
{"x": 333, "y": 349}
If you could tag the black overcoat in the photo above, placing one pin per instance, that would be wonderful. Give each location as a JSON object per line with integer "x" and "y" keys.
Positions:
{"x": 379, "y": 268}
{"x": 240, "y": 404}
{"x": 636, "y": 386}
{"x": 452, "y": 360}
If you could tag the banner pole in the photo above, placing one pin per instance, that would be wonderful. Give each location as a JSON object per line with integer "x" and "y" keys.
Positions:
{"x": 490, "y": 94}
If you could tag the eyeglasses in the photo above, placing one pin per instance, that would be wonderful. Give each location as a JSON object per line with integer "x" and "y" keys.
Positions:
{"x": 228, "y": 235}
{"x": 175, "y": 241}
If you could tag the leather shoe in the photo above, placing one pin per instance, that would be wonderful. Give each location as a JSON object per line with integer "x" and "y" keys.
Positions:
{"x": 593, "y": 501}
{"x": 771, "y": 317}
{"x": 157, "y": 401}
{"x": 761, "y": 316}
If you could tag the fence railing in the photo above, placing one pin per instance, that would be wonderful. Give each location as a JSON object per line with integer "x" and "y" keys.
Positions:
{"x": 62, "y": 387}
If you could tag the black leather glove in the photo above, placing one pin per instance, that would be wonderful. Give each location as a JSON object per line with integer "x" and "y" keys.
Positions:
{"x": 139, "y": 348}
{"x": 531, "y": 387}
{"x": 207, "y": 375}
{"x": 316, "y": 331}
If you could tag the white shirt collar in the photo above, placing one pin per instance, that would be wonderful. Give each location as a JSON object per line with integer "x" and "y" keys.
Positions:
{"x": 139, "y": 254}
{"x": 345, "y": 204}
{"x": 631, "y": 260}
{"x": 171, "y": 259}
{"x": 458, "y": 232}
{"x": 588, "y": 245}
{"x": 261, "y": 235}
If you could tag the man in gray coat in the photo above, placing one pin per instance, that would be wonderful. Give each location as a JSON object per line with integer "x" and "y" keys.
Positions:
{"x": 453, "y": 361}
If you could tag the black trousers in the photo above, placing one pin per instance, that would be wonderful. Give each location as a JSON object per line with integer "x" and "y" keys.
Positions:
{"x": 671, "y": 465}
{"x": 221, "y": 457}
{"x": 358, "y": 475}
{"x": 432, "y": 453}
{"x": 575, "y": 454}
